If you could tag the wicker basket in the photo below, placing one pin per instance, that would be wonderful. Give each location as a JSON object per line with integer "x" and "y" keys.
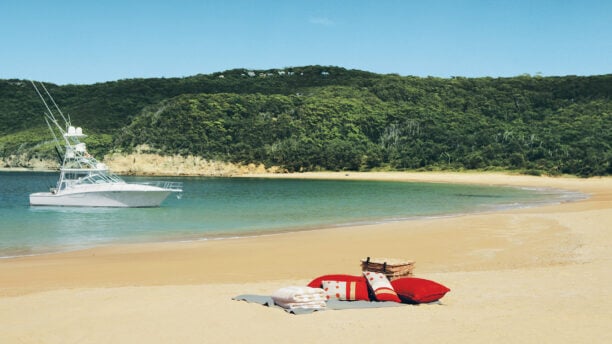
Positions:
{"x": 393, "y": 268}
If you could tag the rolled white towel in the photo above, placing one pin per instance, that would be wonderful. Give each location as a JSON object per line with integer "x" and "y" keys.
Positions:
{"x": 302, "y": 305}
{"x": 293, "y": 294}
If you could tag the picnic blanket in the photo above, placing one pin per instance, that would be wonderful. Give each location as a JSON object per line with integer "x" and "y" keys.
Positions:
{"x": 266, "y": 300}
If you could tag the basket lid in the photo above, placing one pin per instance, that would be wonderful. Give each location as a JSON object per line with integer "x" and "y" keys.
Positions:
{"x": 389, "y": 261}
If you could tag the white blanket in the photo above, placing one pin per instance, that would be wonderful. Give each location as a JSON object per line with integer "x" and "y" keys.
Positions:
{"x": 302, "y": 305}
{"x": 298, "y": 294}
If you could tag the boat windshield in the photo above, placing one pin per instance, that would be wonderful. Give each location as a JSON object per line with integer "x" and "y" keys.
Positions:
{"x": 100, "y": 178}
{"x": 83, "y": 177}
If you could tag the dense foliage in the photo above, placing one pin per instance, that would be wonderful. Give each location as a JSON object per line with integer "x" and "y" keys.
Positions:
{"x": 316, "y": 117}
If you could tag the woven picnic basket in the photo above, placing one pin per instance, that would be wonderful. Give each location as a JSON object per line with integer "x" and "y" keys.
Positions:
{"x": 391, "y": 267}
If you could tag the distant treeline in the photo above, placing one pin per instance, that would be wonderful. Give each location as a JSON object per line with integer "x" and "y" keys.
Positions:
{"x": 329, "y": 118}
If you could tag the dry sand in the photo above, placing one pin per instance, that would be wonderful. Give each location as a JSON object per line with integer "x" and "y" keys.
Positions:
{"x": 537, "y": 275}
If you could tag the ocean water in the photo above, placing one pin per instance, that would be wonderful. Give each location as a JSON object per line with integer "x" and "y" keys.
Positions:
{"x": 216, "y": 208}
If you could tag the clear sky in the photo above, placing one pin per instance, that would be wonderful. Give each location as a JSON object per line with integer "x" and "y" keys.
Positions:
{"x": 88, "y": 41}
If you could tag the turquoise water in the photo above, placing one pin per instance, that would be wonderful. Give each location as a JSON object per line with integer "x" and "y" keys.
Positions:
{"x": 228, "y": 207}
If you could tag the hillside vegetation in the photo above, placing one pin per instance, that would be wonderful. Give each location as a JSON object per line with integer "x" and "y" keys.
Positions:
{"x": 330, "y": 118}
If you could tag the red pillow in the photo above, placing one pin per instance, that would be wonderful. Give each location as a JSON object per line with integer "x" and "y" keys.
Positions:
{"x": 356, "y": 286}
{"x": 380, "y": 286}
{"x": 346, "y": 291}
{"x": 418, "y": 290}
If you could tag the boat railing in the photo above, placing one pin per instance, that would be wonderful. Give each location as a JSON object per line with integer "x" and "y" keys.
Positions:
{"x": 174, "y": 186}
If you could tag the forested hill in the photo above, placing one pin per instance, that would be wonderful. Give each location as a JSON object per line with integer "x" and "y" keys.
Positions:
{"x": 315, "y": 117}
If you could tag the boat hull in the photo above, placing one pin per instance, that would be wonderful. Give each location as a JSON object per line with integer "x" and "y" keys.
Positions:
{"x": 124, "y": 197}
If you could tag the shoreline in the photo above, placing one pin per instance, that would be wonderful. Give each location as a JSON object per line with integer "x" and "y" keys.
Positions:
{"x": 559, "y": 196}
{"x": 491, "y": 179}
{"x": 543, "y": 270}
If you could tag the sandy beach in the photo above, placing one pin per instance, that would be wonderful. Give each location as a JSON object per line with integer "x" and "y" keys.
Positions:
{"x": 533, "y": 275}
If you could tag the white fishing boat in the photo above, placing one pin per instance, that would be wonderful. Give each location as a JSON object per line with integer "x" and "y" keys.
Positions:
{"x": 86, "y": 182}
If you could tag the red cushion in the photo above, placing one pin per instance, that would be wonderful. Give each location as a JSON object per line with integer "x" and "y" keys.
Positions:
{"x": 418, "y": 290}
{"x": 359, "y": 288}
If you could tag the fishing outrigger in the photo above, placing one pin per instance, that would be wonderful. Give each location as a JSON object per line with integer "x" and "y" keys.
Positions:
{"x": 86, "y": 182}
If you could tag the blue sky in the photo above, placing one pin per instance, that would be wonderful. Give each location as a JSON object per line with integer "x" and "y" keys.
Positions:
{"x": 87, "y": 41}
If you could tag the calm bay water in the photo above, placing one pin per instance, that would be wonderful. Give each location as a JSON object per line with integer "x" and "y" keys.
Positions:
{"x": 227, "y": 207}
